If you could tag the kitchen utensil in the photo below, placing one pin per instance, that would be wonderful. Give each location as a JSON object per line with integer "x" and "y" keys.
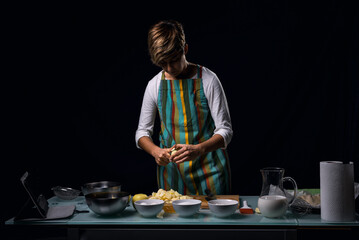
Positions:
{"x": 186, "y": 207}
{"x": 307, "y": 201}
{"x": 107, "y": 203}
{"x": 102, "y": 186}
{"x": 273, "y": 200}
{"x": 300, "y": 206}
{"x": 149, "y": 207}
{"x": 65, "y": 193}
{"x": 245, "y": 209}
{"x": 223, "y": 207}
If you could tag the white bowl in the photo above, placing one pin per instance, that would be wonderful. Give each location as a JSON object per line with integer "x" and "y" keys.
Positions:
{"x": 223, "y": 207}
{"x": 186, "y": 207}
{"x": 149, "y": 207}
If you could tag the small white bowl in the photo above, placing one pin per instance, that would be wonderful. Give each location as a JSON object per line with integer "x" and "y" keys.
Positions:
{"x": 149, "y": 207}
{"x": 223, "y": 207}
{"x": 186, "y": 207}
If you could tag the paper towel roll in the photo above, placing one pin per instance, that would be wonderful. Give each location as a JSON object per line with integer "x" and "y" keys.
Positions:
{"x": 337, "y": 201}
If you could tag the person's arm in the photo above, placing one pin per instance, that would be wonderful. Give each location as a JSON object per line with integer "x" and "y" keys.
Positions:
{"x": 148, "y": 112}
{"x": 161, "y": 155}
{"x": 212, "y": 144}
{"x": 145, "y": 126}
{"x": 218, "y": 105}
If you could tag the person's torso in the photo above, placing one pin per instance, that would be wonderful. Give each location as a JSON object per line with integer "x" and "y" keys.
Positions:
{"x": 184, "y": 111}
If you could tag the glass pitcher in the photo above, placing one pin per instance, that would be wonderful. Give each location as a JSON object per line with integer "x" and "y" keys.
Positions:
{"x": 274, "y": 200}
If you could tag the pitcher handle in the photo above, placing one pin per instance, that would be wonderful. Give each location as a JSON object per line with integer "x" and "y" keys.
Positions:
{"x": 294, "y": 186}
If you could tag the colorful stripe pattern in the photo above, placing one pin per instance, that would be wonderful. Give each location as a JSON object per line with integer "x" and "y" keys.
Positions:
{"x": 186, "y": 119}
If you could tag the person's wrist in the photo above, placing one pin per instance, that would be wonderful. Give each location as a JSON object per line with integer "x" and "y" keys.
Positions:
{"x": 154, "y": 151}
{"x": 201, "y": 149}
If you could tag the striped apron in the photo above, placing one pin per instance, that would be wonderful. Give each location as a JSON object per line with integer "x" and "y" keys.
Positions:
{"x": 186, "y": 119}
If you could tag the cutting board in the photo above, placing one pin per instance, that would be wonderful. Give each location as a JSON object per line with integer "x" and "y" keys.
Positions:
{"x": 204, "y": 204}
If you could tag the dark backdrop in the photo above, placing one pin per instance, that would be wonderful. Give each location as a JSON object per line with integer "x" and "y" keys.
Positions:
{"x": 78, "y": 74}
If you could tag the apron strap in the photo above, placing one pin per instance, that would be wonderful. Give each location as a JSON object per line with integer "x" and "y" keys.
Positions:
{"x": 199, "y": 71}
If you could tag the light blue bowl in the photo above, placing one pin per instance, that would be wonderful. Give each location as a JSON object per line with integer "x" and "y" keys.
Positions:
{"x": 149, "y": 207}
{"x": 186, "y": 207}
{"x": 223, "y": 207}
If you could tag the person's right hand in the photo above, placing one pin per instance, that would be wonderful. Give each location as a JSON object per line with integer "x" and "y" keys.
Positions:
{"x": 162, "y": 156}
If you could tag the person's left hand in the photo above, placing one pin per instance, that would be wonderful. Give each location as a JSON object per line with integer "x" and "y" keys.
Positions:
{"x": 185, "y": 152}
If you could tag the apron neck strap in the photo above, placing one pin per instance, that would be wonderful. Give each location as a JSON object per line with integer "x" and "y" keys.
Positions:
{"x": 163, "y": 75}
{"x": 199, "y": 71}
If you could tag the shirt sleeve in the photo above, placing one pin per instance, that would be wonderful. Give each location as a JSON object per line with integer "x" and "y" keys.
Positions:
{"x": 218, "y": 105}
{"x": 148, "y": 113}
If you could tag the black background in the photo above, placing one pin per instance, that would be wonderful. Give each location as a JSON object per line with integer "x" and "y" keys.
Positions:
{"x": 77, "y": 75}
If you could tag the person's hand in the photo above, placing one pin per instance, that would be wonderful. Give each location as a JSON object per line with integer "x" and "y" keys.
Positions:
{"x": 185, "y": 152}
{"x": 162, "y": 156}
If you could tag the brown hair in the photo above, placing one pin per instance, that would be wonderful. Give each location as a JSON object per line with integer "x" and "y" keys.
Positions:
{"x": 166, "y": 40}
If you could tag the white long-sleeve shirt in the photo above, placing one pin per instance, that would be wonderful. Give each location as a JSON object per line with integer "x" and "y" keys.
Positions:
{"x": 214, "y": 93}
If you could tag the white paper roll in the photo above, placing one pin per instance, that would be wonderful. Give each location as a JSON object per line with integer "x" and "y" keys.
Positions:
{"x": 337, "y": 201}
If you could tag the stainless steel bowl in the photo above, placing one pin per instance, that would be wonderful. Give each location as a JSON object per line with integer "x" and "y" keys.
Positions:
{"x": 107, "y": 203}
{"x": 102, "y": 186}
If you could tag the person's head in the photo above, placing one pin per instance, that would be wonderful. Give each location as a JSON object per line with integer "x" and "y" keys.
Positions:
{"x": 167, "y": 46}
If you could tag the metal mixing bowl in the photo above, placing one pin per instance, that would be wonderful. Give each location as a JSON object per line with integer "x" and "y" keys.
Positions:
{"x": 102, "y": 186}
{"x": 107, "y": 203}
